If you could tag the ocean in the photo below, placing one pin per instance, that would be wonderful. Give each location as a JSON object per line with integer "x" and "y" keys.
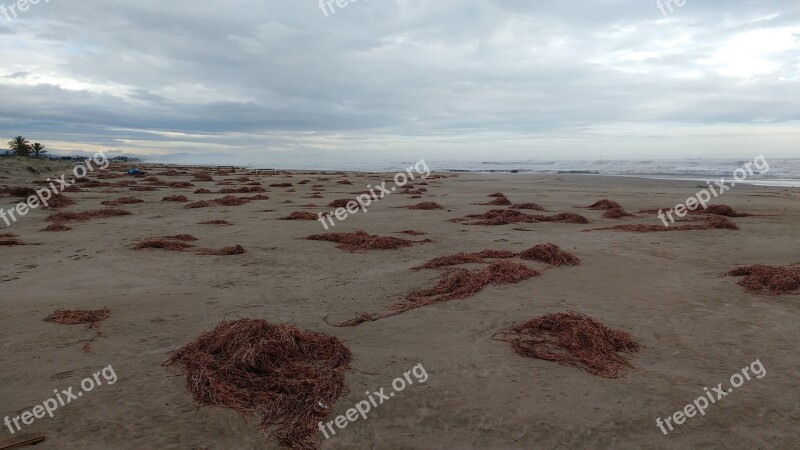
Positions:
{"x": 782, "y": 172}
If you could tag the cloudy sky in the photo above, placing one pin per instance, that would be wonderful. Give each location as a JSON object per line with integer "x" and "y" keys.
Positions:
{"x": 267, "y": 81}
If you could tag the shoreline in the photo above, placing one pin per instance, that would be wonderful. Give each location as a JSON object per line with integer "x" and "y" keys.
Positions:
{"x": 695, "y": 177}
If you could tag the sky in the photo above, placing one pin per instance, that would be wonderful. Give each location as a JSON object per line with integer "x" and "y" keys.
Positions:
{"x": 374, "y": 81}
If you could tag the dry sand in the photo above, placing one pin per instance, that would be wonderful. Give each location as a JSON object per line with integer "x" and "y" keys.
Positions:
{"x": 696, "y": 326}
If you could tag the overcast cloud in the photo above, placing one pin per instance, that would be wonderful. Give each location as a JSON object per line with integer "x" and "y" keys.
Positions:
{"x": 384, "y": 80}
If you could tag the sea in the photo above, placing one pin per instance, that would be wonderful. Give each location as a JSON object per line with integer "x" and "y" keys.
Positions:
{"x": 782, "y": 172}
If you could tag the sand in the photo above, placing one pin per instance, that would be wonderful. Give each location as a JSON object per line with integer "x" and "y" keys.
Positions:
{"x": 696, "y": 327}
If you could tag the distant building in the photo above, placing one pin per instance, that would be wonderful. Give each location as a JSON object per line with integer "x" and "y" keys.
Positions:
{"x": 119, "y": 159}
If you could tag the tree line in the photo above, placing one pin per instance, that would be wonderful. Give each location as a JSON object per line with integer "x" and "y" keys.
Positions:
{"x": 20, "y": 146}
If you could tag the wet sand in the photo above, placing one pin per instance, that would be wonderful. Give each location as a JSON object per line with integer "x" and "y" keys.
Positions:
{"x": 696, "y": 326}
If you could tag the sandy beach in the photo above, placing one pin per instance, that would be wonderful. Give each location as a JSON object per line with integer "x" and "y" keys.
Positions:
{"x": 668, "y": 290}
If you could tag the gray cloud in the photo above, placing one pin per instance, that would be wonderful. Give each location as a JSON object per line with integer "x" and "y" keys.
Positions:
{"x": 272, "y": 80}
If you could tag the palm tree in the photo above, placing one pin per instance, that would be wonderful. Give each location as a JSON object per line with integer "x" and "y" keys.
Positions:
{"x": 38, "y": 149}
{"x": 19, "y": 146}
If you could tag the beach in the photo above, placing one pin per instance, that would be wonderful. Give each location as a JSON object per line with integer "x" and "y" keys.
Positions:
{"x": 669, "y": 290}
